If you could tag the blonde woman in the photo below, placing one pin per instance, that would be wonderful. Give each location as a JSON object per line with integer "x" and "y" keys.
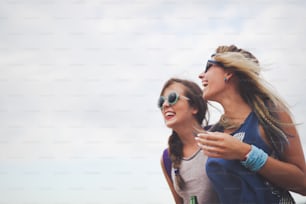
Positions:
{"x": 255, "y": 153}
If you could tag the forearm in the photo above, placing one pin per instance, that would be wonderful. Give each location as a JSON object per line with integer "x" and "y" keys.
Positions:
{"x": 284, "y": 175}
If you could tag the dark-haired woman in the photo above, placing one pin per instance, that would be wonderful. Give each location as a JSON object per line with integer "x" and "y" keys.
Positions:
{"x": 183, "y": 109}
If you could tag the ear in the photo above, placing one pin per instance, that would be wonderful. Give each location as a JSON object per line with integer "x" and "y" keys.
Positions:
{"x": 194, "y": 111}
{"x": 228, "y": 76}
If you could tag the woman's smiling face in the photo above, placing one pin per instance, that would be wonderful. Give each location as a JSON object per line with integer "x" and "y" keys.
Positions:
{"x": 180, "y": 111}
{"x": 213, "y": 82}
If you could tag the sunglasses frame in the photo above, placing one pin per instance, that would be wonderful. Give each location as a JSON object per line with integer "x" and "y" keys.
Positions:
{"x": 213, "y": 62}
{"x": 166, "y": 98}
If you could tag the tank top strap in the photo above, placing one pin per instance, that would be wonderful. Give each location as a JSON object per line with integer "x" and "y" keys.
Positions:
{"x": 249, "y": 131}
{"x": 250, "y": 123}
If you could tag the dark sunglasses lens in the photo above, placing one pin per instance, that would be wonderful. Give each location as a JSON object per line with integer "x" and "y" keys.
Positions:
{"x": 160, "y": 102}
{"x": 208, "y": 65}
{"x": 172, "y": 98}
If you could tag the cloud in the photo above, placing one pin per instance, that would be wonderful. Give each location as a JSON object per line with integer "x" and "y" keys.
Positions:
{"x": 79, "y": 80}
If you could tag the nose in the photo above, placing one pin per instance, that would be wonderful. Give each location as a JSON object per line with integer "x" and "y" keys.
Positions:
{"x": 201, "y": 75}
{"x": 165, "y": 104}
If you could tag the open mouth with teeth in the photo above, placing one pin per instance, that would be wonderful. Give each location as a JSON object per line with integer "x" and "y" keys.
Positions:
{"x": 169, "y": 115}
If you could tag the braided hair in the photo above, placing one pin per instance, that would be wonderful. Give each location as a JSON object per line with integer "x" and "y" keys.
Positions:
{"x": 175, "y": 145}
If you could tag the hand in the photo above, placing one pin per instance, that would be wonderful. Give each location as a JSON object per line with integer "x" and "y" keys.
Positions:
{"x": 222, "y": 145}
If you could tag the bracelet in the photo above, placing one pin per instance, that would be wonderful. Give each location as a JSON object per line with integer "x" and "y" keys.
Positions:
{"x": 247, "y": 155}
{"x": 256, "y": 158}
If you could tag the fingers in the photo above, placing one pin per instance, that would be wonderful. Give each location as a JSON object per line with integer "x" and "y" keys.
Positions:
{"x": 210, "y": 151}
{"x": 211, "y": 144}
{"x": 211, "y": 140}
{"x": 204, "y": 145}
{"x": 210, "y": 136}
{"x": 219, "y": 145}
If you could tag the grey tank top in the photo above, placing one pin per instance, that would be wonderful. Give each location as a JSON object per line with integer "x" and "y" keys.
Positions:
{"x": 197, "y": 183}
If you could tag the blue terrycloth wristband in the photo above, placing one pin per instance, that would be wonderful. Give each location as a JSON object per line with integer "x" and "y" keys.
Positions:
{"x": 255, "y": 159}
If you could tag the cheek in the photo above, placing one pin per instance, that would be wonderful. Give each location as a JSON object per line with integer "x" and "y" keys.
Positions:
{"x": 216, "y": 81}
{"x": 188, "y": 113}
{"x": 213, "y": 89}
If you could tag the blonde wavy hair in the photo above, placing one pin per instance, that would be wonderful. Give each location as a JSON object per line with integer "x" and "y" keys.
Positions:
{"x": 255, "y": 92}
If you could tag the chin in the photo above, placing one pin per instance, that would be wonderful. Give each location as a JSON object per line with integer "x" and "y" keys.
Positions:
{"x": 205, "y": 96}
{"x": 208, "y": 96}
{"x": 170, "y": 123}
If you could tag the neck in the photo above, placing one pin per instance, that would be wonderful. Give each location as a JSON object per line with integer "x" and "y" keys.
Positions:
{"x": 234, "y": 106}
{"x": 186, "y": 133}
{"x": 235, "y": 112}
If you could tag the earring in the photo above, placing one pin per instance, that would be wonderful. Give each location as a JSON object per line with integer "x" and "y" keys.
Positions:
{"x": 225, "y": 79}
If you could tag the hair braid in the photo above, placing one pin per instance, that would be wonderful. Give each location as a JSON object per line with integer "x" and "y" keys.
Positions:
{"x": 176, "y": 155}
{"x": 175, "y": 145}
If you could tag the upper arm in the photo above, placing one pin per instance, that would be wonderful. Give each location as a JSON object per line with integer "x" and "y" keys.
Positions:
{"x": 291, "y": 171}
{"x": 294, "y": 152}
{"x": 177, "y": 198}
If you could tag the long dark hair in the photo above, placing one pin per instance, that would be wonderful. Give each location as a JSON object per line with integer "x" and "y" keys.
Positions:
{"x": 175, "y": 145}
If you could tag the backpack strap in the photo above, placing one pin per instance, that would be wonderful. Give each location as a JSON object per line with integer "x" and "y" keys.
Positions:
{"x": 167, "y": 162}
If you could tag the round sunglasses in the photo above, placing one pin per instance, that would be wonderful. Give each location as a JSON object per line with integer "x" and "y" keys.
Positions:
{"x": 171, "y": 99}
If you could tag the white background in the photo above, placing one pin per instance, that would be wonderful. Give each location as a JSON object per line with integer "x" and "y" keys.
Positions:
{"x": 79, "y": 82}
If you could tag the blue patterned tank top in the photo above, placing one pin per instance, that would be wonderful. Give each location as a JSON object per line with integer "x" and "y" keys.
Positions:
{"x": 233, "y": 182}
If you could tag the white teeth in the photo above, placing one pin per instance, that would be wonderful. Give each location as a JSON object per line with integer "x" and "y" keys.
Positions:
{"x": 169, "y": 114}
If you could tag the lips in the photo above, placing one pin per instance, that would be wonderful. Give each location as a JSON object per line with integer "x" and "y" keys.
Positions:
{"x": 169, "y": 114}
{"x": 204, "y": 83}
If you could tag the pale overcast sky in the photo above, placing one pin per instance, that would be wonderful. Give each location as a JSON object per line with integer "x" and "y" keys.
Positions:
{"x": 80, "y": 80}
